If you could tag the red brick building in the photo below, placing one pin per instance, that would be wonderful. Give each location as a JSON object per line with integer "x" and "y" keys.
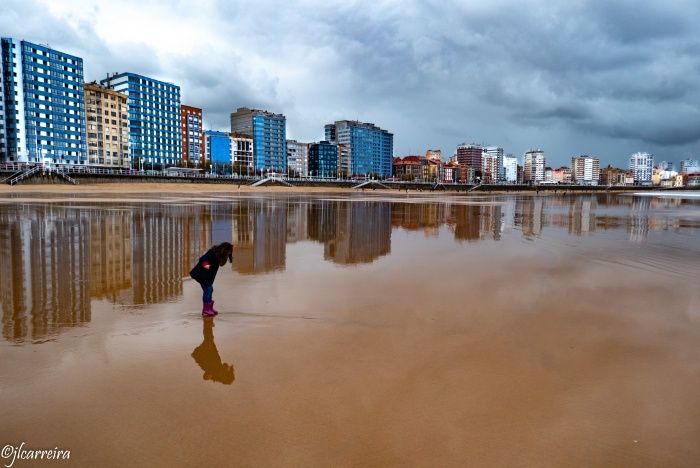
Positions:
{"x": 192, "y": 131}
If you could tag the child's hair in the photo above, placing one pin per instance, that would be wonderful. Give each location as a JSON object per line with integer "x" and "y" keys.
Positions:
{"x": 223, "y": 252}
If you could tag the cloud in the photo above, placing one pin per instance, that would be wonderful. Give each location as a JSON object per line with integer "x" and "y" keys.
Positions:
{"x": 571, "y": 77}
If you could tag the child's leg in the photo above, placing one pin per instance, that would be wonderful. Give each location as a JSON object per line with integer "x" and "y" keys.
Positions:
{"x": 207, "y": 292}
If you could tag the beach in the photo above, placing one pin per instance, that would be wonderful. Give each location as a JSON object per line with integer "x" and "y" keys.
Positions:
{"x": 487, "y": 331}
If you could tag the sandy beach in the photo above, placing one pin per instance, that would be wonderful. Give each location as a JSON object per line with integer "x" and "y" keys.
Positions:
{"x": 353, "y": 331}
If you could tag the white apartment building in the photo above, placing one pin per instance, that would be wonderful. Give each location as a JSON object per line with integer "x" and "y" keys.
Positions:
{"x": 510, "y": 169}
{"x": 533, "y": 166}
{"x": 492, "y": 164}
{"x": 585, "y": 170}
{"x": 642, "y": 167}
{"x": 298, "y": 158}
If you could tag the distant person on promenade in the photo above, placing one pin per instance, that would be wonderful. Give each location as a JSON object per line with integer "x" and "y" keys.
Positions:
{"x": 204, "y": 272}
{"x": 207, "y": 357}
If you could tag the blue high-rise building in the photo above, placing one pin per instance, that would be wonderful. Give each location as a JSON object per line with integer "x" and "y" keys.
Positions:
{"x": 154, "y": 118}
{"x": 269, "y": 132}
{"x": 370, "y": 147}
{"x": 217, "y": 147}
{"x": 42, "y": 109}
{"x": 323, "y": 159}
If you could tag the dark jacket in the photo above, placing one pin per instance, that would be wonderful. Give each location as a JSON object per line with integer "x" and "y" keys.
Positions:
{"x": 202, "y": 274}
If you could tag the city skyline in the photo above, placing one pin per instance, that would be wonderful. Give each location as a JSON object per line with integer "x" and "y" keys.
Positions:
{"x": 402, "y": 66}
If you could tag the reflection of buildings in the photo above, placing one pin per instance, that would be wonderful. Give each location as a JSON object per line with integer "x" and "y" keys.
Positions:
{"x": 581, "y": 216}
{"x": 197, "y": 237}
{"x": 638, "y": 227}
{"x": 110, "y": 253}
{"x": 464, "y": 221}
{"x": 416, "y": 216}
{"x": 323, "y": 220}
{"x": 364, "y": 233}
{"x": 45, "y": 284}
{"x": 56, "y": 258}
{"x": 529, "y": 215}
{"x": 157, "y": 246}
{"x": 260, "y": 236}
{"x": 297, "y": 222}
{"x": 351, "y": 232}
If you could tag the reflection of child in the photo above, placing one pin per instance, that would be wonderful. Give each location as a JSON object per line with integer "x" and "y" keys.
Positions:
{"x": 207, "y": 356}
{"x": 204, "y": 272}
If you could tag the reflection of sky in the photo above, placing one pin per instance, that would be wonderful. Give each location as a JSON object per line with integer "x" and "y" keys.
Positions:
{"x": 57, "y": 257}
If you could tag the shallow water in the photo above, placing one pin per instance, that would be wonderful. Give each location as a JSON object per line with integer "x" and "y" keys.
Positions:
{"x": 504, "y": 330}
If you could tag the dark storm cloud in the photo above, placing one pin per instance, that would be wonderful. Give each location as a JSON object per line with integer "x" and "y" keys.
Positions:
{"x": 605, "y": 77}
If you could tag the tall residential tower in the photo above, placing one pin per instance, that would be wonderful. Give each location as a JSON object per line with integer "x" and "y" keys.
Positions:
{"x": 533, "y": 166}
{"x": 192, "y": 135}
{"x": 154, "y": 119}
{"x": 269, "y": 132}
{"x": 585, "y": 170}
{"x": 642, "y": 167}
{"x": 107, "y": 126}
{"x": 369, "y": 149}
{"x": 42, "y": 110}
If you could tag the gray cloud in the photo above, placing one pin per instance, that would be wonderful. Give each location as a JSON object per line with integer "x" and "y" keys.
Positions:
{"x": 607, "y": 78}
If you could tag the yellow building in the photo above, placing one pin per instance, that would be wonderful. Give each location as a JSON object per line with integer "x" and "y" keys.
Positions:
{"x": 107, "y": 120}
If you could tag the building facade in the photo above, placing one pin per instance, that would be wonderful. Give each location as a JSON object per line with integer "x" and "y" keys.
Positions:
{"x": 192, "y": 131}
{"x": 563, "y": 175}
{"x": 344, "y": 160}
{"x": 510, "y": 169}
{"x": 533, "y": 166}
{"x": 408, "y": 168}
{"x": 369, "y": 147}
{"x": 433, "y": 155}
{"x": 217, "y": 149}
{"x": 155, "y": 137}
{"x": 269, "y": 132}
{"x": 470, "y": 156}
{"x": 642, "y": 167}
{"x": 42, "y": 110}
{"x": 689, "y": 165}
{"x": 492, "y": 165}
{"x": 297, "y": 158}
{"x": 242, "y": 153}
{"x": 107, "y": 123}
{"x": 585, "y": 170}
{"x": 323, "y": 159}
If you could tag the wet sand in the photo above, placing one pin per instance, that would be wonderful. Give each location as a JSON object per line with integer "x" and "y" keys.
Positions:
{"x": 554, "y": 349}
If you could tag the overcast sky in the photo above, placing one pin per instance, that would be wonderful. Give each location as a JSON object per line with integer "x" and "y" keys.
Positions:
{"x": 606, "y": 78}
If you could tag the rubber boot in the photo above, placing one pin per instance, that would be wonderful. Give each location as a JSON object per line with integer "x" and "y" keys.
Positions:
{"x": 207, "y": 310}
{"x": 211, "y": 308}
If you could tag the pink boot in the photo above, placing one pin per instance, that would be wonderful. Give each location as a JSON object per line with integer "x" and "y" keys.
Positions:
{"x": 211, "y": 308}
{"x": 207, "y": 310}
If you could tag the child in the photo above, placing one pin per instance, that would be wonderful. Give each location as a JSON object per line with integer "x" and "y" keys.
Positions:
{"x": 204, "y": 272}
